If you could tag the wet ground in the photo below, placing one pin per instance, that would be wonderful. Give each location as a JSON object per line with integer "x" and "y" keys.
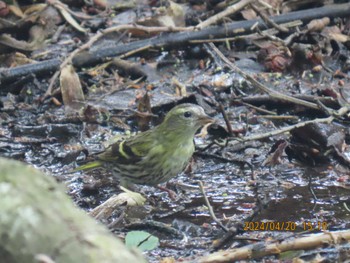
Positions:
{"x": 276, "y": 187}
{"x": 265, "y": 201}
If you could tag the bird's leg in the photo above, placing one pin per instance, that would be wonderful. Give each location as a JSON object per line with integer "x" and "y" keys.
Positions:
{"x": 171, "y": 193}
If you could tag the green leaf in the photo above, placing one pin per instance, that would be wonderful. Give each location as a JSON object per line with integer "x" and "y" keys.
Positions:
{"x": 142, "y": 240}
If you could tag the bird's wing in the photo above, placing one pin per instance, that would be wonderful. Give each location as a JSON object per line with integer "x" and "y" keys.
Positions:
{"x": 88, "y": 166}
{"x": 128, "y": 151}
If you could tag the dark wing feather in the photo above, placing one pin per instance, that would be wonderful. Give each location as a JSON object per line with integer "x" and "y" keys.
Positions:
{"x": 129, "y": 151}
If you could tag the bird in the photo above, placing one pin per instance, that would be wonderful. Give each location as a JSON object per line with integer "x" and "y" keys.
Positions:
{"x": 155, "y": 156}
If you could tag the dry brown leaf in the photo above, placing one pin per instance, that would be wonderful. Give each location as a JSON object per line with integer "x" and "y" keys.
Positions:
{"x": 14, "y": 59}
{"x": 180, "y": 88}
{"x": 72, "y": 92}
{"x": 128, "y": 198}
{"x": 8, "y": 40}
{"x": 34, "y": 9}
{"x": 68, "y": 17}
{"x": 165, "y": 21}
{"x": 339, "y": 37}
{"x": 176, "y": 11}
{"x": 275, "y": 157}
{"x": 45, "y": 24}
{"x": 248, "y": 14}
{"x": 16, "y": 11}
{"x": 171, "y": 16}
{"x": 318, "y": 24}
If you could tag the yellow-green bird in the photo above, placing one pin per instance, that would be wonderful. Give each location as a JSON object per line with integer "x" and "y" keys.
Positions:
{"x": 157, "y": 155}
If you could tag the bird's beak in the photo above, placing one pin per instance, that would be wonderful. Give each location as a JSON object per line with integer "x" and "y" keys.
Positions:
{"x": 205, "y": 119}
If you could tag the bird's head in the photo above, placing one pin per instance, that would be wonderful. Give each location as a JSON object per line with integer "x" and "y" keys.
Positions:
{"x": 186, "y": 118}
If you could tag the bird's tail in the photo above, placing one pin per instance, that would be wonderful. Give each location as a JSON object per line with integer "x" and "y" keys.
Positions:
{"x": 88, "y": 166}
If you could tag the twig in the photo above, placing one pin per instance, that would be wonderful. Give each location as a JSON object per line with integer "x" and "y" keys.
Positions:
{"x": 280, "y": 131}
{"x": 227, "y": 121}
{"x": 309, "y": 186}
{"x": 258, "y": 108}
{"x": 262, "y": 249}
{"x": 271, "y": 37}
{"x": 223, "y": 159}
{"x": 267, "y": 32}
{"x": 266, "y": 99}
{"x": 102, "y": 33}
{"x": 155, "y": 225}
{"x": 346, "y": 207}
{"x": 263, "y": 3}
{"x": 233, "y": 29}
{"x": 132, "y": 52}
{"x": 281, "y": 117}
{"x": 228, "y": 11}
{"x": 259, "y": 85}
{"x": 268, "y": 21}
{"x": 210, "y": 208}
{"x": 239, "y": 227}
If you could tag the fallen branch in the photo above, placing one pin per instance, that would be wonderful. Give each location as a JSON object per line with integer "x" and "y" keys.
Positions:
{"x": 341, "y": 112}
{"x": 280, "y": 131}
{"x": 258, "y": 100}
{"x": 84, "y": 59}
{"x": 98, "y": 36}
{"x": 261, "y": 249}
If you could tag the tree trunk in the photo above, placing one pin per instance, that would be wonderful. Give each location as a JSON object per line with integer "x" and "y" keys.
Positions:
{"x": 39, "y": 223}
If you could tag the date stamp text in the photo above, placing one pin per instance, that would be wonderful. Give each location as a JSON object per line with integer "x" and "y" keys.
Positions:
{"x": 285, "y": 226}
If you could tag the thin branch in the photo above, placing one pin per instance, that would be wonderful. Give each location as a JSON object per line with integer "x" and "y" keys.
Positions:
{"x": 280, "y": 131}
{"x": 179, "y": 38}
{"x": 268, "y": 21}
{"x": 262, "y": 249}
{"x": 280, "y": 117}
{"x": 228, "y": 11}
{"x": 210, "y": 208}
{"x": 269, "y": 32}
{"x": 257, "y": 108}
{"x": 102, "y": 33}
{"x": 227, "y": 121}
{"x": 259, "y": 85}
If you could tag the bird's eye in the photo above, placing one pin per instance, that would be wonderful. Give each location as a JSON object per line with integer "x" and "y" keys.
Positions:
{"x": 187, "y": 114}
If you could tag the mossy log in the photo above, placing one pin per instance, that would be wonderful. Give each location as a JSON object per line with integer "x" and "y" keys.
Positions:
{"x": 38, "y": 222}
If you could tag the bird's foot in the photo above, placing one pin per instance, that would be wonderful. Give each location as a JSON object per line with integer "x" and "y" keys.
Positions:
{"x": 171, "y": 193}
